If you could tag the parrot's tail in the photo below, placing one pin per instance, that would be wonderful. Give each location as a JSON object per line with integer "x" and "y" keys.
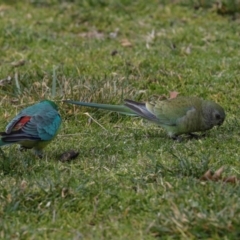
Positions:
{"x": 115, "y": 108}
{"x": 15, "y": 137}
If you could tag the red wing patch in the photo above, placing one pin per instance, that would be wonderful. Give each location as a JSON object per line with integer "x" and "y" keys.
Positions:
{"x": 21, "y": 123}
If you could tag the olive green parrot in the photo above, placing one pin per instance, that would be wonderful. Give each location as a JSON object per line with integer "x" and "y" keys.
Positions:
{"x": 34, "y": 127}
{"x": 181, "y": 115}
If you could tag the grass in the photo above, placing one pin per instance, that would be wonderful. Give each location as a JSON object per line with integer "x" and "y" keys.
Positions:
{"x": 130, "y": 180}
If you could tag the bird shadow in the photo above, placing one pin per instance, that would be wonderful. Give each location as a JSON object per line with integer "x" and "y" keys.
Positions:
{"x": 182, "y": 138}
{"x": 189, "y": 137}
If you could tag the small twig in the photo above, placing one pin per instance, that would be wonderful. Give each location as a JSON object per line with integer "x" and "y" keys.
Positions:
{"x": 18, "y": 63}
{"x": 17, "y": 83}
{"x": 95, "y": 121}
{"x": 54, "y": 82}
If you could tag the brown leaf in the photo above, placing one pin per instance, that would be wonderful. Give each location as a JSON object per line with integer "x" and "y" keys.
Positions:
{"x": 155, "y": 97}
{"x": 65, "y": 192}
{"x": 217, "y": 176}
{"x": 126, "y": 43}
{"x": 163, "y": 97}
{"x": 18, "y": 63}
{"x": 207, "y": 175}
{"x": 69, "y": 155}
{"x": 231, "y": 179}
{"x": 4, "y": 7}
{"x": 173, "y": 94}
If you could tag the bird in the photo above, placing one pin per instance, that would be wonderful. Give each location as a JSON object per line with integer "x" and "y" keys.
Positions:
{"x": 34, "y": 127}
{"x": 180, "y": 115}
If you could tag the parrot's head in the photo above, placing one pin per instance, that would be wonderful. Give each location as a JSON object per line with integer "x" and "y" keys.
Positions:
{"x": 53, "y": 104}
{"x": 214, "y": 113}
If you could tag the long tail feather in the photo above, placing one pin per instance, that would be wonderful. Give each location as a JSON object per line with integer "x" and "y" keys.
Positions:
{"x": 115, "y": 108}
{"x": 140, "y": 109}
{"x": 15, "y": 137}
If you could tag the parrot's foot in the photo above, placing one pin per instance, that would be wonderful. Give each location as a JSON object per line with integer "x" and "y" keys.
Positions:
{"x": 190, "y": 136}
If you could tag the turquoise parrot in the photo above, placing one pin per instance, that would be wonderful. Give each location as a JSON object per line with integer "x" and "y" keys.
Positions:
{"x": 34, "y": 127}
{"x": 181, "y": 115}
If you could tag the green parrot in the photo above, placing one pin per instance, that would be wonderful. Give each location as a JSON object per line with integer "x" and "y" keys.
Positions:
{"x": 34, "y": 127}
{"x": 181, "y": 115}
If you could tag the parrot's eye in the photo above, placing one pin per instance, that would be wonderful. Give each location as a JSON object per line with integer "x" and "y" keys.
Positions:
{"x": 217, "y": 116}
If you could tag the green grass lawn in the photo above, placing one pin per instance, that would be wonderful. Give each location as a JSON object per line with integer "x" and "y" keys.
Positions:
{"x": 129, "y": 181}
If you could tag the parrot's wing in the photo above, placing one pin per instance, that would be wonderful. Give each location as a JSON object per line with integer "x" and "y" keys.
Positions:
{"x": 17, "y": 136}
{"x": 161, "y": 112}
{"x": 140, "y": 109}
{"x": 43, "y": 125}
{"x": 14, "y": 130}
{"x": 17, "y": 123}
{"x": 25, "y": 115}
{"x": 170, "y": 112}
